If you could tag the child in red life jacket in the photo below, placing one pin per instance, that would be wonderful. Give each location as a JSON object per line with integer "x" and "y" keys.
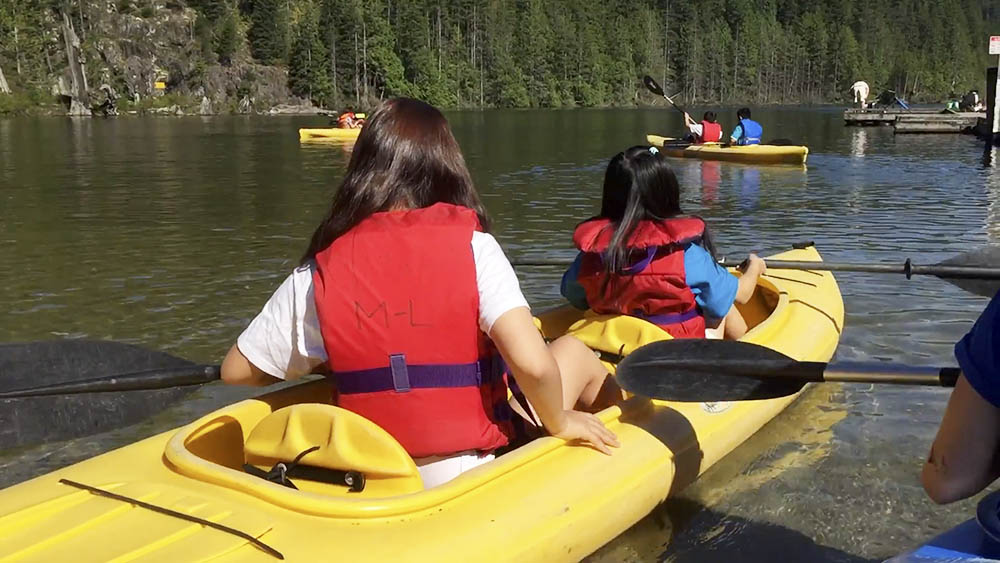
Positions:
{"x": 708, "y": 131}
{"x": 403, "y": 298}
{"x": 642, "y": 257}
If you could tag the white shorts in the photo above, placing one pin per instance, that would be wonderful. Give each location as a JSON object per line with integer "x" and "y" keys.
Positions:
{"x": 437, "y": 471}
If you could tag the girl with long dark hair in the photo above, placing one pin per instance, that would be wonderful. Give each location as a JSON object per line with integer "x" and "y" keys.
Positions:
{"x": 401, "y": 297}
{"x": 643, "y": 257}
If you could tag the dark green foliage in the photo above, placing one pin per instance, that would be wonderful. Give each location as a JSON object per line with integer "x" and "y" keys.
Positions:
{"x": 227, "y": 37}
{"x": 557, "y": 53}
{"x": 268, "y": 33}
{"x": 308, "y": 65}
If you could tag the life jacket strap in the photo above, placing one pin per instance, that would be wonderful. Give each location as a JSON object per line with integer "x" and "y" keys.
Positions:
{"x": 402, "y": 377}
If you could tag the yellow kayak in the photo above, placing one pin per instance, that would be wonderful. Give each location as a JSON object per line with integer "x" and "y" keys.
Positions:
{"x": 328, "y": 133}
{"x": 545, "y": 501}
{"x": 753, "y": 154}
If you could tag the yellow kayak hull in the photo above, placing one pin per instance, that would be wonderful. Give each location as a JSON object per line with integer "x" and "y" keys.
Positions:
{"x": 328, "y": 133}
{"x": 545, "y": 501}
{"x": 753, "y": 154}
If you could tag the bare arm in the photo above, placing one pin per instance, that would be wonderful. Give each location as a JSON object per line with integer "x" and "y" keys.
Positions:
{"x": 237, "y": 370}
{"x": 748, "y": 281}
{"x": 531, "y": 364}
{"x": 963, "y": 460}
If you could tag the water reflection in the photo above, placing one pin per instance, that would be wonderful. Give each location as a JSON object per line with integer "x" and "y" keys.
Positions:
{"x": 711, "y": 175}
{"x": 859, "y": 141}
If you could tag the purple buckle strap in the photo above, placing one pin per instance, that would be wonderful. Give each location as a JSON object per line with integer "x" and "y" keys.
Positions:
{"x": 668, "y": 319}
{"x": 641, "y": 264}
{"x": 402, "y": 377}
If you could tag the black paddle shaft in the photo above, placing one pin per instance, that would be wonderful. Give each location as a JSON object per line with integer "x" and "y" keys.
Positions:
{"x": 907, "y": 268}
{"x": 698, "y": 370}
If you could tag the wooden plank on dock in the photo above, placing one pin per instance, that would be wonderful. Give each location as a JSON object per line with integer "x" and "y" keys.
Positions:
{"x": 947, "y": 122}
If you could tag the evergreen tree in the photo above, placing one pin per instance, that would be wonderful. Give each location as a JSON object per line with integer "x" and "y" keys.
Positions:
{"x": 268, "y": 31}
{"x": 308, "y": 66}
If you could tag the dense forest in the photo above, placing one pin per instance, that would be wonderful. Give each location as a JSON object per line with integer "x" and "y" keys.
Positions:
{"x": 500, "y": 53}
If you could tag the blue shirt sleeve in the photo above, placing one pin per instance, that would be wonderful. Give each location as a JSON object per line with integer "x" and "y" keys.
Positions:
{"x": 978, "y": 353}
{"x": 714, "y": 288}
{"x": 737, "y": 132}
{"x": 571, "y": 289}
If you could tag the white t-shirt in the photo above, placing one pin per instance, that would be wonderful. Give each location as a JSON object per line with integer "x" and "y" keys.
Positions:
{"x": 284, "y": 340}
{"x": 696, "y": 129}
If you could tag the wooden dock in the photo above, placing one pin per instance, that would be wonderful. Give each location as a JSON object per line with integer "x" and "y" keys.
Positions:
{"x": 949, "y": 120}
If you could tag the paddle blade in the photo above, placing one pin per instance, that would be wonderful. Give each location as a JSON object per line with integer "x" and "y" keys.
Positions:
{"x": 652, "y": 85}
{"x": 700, "y": 370}
{"x": 984, "y": 257}
{"x": 32, "y": 420}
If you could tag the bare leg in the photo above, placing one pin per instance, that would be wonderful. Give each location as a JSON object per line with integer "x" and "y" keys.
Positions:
{"x": 585, "y": 382}
{"x": 715, "y": 329}
{"x": 736, "y": 325}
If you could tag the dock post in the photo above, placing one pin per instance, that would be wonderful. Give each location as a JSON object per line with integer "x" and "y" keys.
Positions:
{"x": 993, "y": 107}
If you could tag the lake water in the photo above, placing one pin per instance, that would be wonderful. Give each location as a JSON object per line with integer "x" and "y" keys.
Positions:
{"x": 171, "y": 233}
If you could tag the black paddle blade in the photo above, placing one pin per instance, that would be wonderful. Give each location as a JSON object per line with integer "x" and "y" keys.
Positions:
{"x": 700, "y": 370}
{"x": 28, "y": 421}
{"x": 652, "y": 85}
{"x": 986, "y": 257}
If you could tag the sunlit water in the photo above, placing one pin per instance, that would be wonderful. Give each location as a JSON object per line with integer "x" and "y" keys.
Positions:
{"x": 171, "y": 233}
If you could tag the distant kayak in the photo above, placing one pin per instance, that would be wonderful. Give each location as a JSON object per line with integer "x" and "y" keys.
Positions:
{"x": 759, "y": 154}
{"x": 328, "y": 133}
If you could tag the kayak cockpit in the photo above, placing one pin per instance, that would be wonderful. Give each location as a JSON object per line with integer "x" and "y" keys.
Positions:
{"x": 295, "y": 448}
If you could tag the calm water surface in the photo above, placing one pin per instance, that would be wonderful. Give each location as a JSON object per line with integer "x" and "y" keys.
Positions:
{"x": 171, "y": 234}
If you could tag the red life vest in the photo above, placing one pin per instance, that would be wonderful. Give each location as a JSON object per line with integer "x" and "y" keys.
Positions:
{"x": 710, "y": 132}
{"x": 398, "y": 309}
{"x": 654, "y": 287}
{"x": 346, "y": 120}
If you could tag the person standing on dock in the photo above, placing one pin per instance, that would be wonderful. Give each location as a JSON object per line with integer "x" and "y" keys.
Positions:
{"x": 748, "y": 132}
{"x": 860, "y": 92}
{"x": 708, "y": 131}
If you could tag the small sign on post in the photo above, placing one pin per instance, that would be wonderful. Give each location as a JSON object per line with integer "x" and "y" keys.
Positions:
{"x": 995, "y": 44}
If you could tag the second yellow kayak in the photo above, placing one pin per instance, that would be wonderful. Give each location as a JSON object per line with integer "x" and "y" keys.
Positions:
{"x": 754, "y": 154}
{"x": 306, "y": 134}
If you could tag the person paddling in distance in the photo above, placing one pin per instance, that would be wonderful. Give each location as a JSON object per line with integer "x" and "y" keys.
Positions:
{"x": 641, "y": 256}
{"x": 401, "y": 297}
{"x": 748, "y": 132}
{"x": 965, "y": 456}
{"x": 708, "y": 131}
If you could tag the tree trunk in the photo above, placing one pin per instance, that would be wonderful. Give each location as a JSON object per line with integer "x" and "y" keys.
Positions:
{"x": 439, "y": 39}
{"x": 78, "y": 97}
{"x": 333, "y": 67}
{"x": 17, "y": 51}
{"x": 357, "y": 87}
{"x": 364, "y": 55}
{"x": 4, "y": 88}
{"x": 666, "y": 43}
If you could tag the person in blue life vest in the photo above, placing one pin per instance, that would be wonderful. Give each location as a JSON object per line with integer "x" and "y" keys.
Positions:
{"x": 965, "y": 456}
{"x": 748, "y": 131}
{"x": 412, "y": 309}
{"x": 642, "y": 257}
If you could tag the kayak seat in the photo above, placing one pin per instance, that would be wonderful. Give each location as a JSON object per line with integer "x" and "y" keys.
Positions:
{"x": 615, "y": 336}
{"x": 321, "y": 444}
